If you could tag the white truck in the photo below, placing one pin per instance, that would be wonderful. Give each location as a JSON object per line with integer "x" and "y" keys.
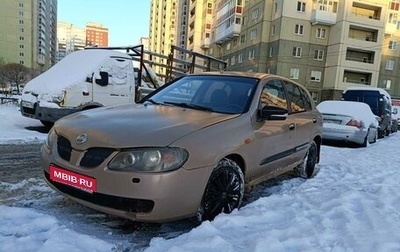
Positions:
{"x": 97, "y": 77}
{"x": 87, "y": 79}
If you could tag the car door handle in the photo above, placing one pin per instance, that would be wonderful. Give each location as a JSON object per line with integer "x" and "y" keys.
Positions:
{"x": 314, "y": 120}
{"x": 292, "y": 126}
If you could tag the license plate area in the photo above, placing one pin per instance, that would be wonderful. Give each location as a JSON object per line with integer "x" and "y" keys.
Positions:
{"x": 73, "y": 179}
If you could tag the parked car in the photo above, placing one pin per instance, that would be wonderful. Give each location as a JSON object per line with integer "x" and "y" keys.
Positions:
{"x": 378, "y": 100}
{"x": 348, "y": 121}
{"x": 191, "y": 148}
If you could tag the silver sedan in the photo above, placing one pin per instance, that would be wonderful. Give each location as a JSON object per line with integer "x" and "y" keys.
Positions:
{"x": 348, "y": 121}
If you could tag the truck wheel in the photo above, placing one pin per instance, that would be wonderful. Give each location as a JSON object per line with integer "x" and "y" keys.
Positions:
{"x": 47, "y": 124}
{"x": 224, "y": 191}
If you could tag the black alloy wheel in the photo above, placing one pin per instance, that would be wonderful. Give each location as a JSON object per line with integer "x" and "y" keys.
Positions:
{"x": 224, "y": 191}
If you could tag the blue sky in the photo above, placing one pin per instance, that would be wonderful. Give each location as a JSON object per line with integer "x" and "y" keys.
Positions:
{"x": 127, "y": 20}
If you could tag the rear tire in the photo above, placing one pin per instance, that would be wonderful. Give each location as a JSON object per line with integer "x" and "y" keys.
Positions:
{"x": 308, "y": 168}
{"x": 224, "y": 191}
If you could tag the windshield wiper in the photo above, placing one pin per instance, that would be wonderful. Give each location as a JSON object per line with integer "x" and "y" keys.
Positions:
{"x": 191, "y": 106}
{"x": 152, "y": 101}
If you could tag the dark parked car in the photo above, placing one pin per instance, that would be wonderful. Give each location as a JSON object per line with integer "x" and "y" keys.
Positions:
{"x": 378, "y": 100}
{"x": 190, "y": 149}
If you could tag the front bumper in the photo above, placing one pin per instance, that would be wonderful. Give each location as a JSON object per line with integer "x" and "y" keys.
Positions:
{"x": 44, "y": 113}
{"x": 145, "y": 197}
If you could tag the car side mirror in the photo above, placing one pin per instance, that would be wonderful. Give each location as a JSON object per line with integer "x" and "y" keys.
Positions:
{"x": 273, "y": 113}
{"x": 103, "y": 81}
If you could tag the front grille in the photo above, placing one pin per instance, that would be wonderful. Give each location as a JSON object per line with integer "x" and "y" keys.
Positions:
{"x": 30, "y": 111}
{"x": 64, "y": 148}
{"x": 120, "y": 203}
{"x": 95, "y": 156}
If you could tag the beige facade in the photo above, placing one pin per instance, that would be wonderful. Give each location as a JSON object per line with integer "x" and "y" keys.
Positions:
{"x": 28, "y": 32}
{"x": 163, "y": 29}
{"x": 325, "y": 45}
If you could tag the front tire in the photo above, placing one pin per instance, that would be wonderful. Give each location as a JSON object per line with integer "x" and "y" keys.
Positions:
{"x": 224, "y": 191}
{"x": 47, "y": 124}
{"x": 308, "y": 168}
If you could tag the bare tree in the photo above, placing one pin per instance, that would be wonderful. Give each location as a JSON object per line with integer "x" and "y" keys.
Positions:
{"x": 3, "y": 83}
{"x": 15, "y": 74}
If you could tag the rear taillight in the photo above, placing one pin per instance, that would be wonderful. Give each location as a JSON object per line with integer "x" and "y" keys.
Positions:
{"x": 355, "y": 123}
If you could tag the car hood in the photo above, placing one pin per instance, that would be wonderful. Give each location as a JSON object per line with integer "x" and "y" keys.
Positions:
{"x": 133, "y": 125}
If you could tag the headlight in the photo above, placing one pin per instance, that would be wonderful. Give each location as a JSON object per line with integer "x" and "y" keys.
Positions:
{"x": 51, "y": 136}
{"x": 149, "y": 160}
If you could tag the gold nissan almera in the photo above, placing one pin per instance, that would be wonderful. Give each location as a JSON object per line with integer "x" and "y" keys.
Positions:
{"x": 191, "y": 148}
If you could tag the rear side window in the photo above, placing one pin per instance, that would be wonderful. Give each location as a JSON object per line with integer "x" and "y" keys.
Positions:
{"x": 273, "y": 94}
{"x": 296, "y": 98}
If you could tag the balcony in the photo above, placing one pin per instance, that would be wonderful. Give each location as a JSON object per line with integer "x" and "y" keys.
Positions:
{"x": 222, "y": 34}
{"x": 323, "y": 17}
{"x": 358, "y": 55}
{"x": 357, "y": 77}
{"x": 363, "y": 33}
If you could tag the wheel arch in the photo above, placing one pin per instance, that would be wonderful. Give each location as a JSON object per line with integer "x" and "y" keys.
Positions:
{"x": 239, "y": 160}
{"x": 318, "y": 141}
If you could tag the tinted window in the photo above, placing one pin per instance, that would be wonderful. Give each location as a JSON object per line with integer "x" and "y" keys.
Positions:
{"x": 223, "y": 94}
{"x": 273, "y": 94}
{"x": 295, "y": 97}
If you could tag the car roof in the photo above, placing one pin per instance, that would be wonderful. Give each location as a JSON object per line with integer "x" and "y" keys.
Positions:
{"x": 255, "y": 75}
{"x": 380, "y": 90}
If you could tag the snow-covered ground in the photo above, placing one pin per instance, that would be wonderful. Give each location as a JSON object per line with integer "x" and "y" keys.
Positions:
{"x": 353, "y": 204}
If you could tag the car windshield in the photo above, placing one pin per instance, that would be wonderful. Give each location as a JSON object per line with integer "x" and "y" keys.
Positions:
{"x": 222, "y": 94}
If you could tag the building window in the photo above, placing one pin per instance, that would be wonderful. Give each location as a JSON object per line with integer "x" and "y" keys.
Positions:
{"x": 21, "y": 5}
{"x": 392, "y": 18}
{"x": 233, "y": 60}
{"x": 240, "y": 58}
{"x": 21, "y": 62}
{"x": 275, "y": 7}
{"x": 316, "y": 76}
{"x": 273, "y": 30}
{"x": 296, "y": 52}
{"x": 21, "y": 38}
{"x": 21, "y": 13}
{"x": 301, "y": 6}
{"x": 271, "y": 52}
{"x": 387, "y": 83}
{"x": 392, "y": 45}
{"x": 252, "y": 53}
{"x": 314, "y": 96}
{"x": 321, "y": 33}
{"x": 243, "y": 39}
{"x": 21, "y": 46}
{"x": 390, "y": 65}
{"x": 21, "y": 21}
{"x": 228, "y": 46}
{"x": 21, "y": 54}
{"x": 253, "y": 34}
{"x": 255, "y": 14}
{"x": 394, "y": 5}
{"x": 299, "y": 29}
{"x": 319, "y": 55}
{"x": 294, "y": 73}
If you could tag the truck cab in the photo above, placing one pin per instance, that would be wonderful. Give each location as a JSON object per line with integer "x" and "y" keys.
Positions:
{"x": 82, "y": 80}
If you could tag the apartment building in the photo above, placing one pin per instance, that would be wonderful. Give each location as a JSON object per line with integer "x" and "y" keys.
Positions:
{"x": 96, "y": 34}
{"x": 327, "y": 45}
{"x": 70, "y": 38}
{"x": 163, "y": 29}
{"x": 28, "y": 33}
